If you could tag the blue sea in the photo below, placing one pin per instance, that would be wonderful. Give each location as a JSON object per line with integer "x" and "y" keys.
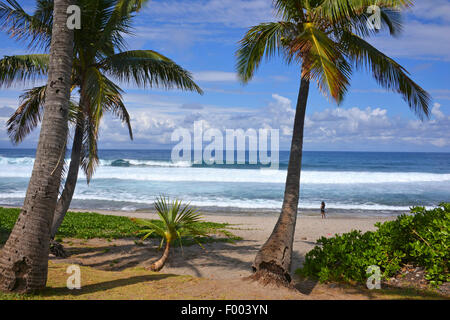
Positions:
{"x": 351, "y": 183}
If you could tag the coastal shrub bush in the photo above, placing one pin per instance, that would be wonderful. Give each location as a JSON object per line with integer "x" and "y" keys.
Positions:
{"x": 421, "y": 239}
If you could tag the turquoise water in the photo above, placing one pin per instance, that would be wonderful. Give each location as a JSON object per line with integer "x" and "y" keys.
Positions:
{"x": 349, "y": 182}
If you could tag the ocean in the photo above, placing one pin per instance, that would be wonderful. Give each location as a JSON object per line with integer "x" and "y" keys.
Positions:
{"x": 351, "y": 183}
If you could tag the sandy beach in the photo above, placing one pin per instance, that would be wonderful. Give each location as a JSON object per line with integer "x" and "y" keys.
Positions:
{"x": 221, "y": 260}
{"x": 116, "y": 268}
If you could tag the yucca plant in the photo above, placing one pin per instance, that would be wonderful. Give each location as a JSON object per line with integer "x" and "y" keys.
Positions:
{"x": 178, "y": 221}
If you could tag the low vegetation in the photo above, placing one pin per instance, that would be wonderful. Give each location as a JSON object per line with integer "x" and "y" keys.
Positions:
{"x": 90, "y": 225}
{"x": 177, "y": 221}
{"x": 421, "y": 239}
{"x": 138, "y": 283}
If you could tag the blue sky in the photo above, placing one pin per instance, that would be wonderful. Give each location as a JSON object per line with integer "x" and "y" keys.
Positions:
{"x": 202, "y": 36}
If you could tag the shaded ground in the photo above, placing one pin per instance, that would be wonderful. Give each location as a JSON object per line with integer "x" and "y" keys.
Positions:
{"x": 140, "y": 284}
{"x": 114, "y": 269}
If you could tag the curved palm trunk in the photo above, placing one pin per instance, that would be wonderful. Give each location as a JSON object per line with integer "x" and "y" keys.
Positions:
{"x": 24, "y": 258}
{"x": 273, "y": 261}
{"x": 72, "y": 176}
{"x": 158, "y": 265}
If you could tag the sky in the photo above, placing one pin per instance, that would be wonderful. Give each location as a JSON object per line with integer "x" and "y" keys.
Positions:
{"x": 202, "y": 36}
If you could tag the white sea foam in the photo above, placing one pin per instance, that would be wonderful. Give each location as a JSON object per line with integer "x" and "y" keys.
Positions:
{"x": 22, "y": 161}
{"x": 148, "y": 163}
{"x": 219, "y": 202}
{"x": 263, "y": 176}
{"x": 181, "y": 172}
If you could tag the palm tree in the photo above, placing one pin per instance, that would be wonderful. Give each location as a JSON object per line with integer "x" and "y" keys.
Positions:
{"x": 327, "y": 38}
{"x": 99, "y": 54}
{"x": 177, "y": 221}
{"x": 24, "y": 258}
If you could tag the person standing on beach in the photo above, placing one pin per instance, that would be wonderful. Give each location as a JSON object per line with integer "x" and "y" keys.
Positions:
{"x": 322, "y": 209}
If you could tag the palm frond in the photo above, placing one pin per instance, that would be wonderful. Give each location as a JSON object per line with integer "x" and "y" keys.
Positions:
{"x": 34, "y": 29}
{"x": 23, "y": 69}
{"x": 118, "y": 23}
{"x": 28, "y": 114}
{"x": 324, "y": 63}
{"x": 291, "y": 9}
{"x": 262, "y": 40}
{"x": 387, "y": 72}
{"x": 105, "y": 95}
{"x": 336, "y": 11}
{"x": 147, "y": 68}
{"x": 89, "y": 153}
{"x": 178, "y": 221}
{"x": 391, "y": 19}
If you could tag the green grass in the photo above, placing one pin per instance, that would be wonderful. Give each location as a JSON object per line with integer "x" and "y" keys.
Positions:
{"x": 89, "y": 225}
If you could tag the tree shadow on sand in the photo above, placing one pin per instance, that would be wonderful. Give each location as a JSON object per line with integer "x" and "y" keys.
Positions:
{"x": 127, "y": 255}
{"x": 102, "y": 286}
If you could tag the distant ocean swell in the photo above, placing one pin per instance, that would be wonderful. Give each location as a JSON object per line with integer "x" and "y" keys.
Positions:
{"x": 361, "y": 183}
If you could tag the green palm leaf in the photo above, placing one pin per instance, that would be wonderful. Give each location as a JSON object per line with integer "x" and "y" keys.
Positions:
{"x": 35, "y": 29}
{"x": 29, "y": 113}
{"x": 178, "y": 221}
{"x": 120, "y": 14}
{"x": 261, "y": 40}
{"x": 148, "y": 68}
{"x": 23, "y": 69}
{"x": 388, "y": 73}
{"x": 325, "y": 63}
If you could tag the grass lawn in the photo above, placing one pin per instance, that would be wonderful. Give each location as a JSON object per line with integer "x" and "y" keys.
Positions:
{"x": 90, "y": 225}
{"x": 134, "y": 283}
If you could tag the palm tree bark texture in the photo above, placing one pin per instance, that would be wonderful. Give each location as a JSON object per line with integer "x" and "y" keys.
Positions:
{"x": 24, "y": 258}
{"x": 72, "y": 176}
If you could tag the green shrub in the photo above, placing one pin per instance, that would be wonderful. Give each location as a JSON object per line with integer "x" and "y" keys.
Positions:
{"x": 421, "y": 239}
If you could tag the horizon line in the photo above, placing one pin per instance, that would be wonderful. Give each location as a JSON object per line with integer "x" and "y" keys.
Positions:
{"x": 193, "y": 150}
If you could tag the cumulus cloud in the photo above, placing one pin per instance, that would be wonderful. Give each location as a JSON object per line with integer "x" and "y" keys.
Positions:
{"x": 436, "y": 112}
{"x": 369, "y": 128}
{"x": 373, "y": 128}
{"x": 215, "y": 76}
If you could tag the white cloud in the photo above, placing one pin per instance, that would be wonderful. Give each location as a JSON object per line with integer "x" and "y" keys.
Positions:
{"x": 426, "y": 29}
{"x": 215, "y": 76}
{"x": 232, "y": 13}
{"x": 433, "y": 10}
{"x": 436, "y": 111}
{"x": 423, "y": 40}
{"x": 333, "y": 128}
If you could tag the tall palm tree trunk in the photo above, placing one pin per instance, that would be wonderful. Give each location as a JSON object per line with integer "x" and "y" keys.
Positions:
{"x": 273, "y": 261}
{"x": 72, "y": 176}
{"x": 24, "y": 258}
